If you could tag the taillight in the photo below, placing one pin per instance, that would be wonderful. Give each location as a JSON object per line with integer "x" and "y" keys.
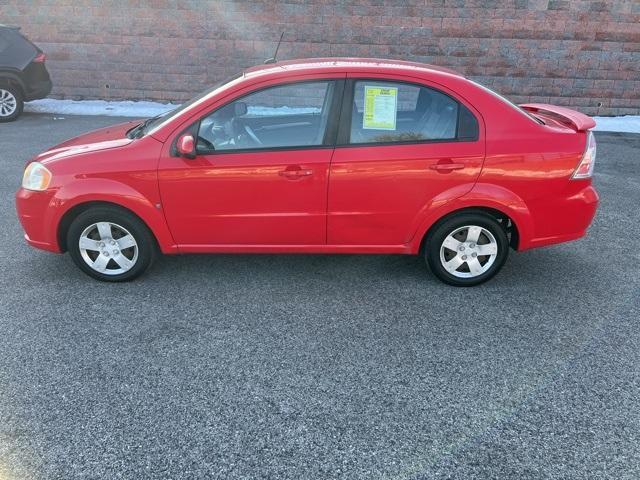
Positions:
{"x": 40, "y": 58}
{"x": 585, "y": 168}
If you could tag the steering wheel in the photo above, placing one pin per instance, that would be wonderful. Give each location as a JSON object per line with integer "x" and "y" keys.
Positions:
{"x": 252, "y": 134}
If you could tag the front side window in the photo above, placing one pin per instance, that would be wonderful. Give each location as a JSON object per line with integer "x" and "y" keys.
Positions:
{"x": 387, "y": 112}
{"x": 292, "y": 115}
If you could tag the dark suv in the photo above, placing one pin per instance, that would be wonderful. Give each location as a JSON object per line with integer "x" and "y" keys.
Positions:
{"x": 23, "y": 75}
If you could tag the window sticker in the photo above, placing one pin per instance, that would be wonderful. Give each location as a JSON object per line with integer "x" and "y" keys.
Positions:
{"x": 380, "y": 108}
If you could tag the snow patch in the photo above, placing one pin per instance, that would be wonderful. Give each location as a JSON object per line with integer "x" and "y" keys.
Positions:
{"x": 627, "y": 123}
{"x": 261, "y": 111}
{"x": 99, "y": 107}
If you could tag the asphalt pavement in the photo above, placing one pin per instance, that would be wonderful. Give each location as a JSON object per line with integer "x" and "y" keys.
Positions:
{"x": 322, "y": 367}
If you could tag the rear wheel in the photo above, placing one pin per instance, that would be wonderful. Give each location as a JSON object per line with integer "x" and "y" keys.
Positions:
{"x": 110, "y": 244}
{"x": 467, "y": 249}
{"x": 11, "y": 103}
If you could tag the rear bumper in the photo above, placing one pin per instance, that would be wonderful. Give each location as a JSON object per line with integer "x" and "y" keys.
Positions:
{"x": 563, "y": 219}
{"x": 34, "y": 214}
{"x": 38, "y": 90}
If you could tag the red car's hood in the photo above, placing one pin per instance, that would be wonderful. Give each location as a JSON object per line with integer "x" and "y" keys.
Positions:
{"x": 102, "y": 139}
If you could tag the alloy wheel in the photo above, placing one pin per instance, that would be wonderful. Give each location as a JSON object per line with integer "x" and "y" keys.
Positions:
{"x": 108, "y": 248}
{"x": 8, "y": 103}
{"x": 468, "y": 251}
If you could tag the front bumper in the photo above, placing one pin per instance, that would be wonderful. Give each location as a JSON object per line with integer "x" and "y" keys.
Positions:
{"x": 34, "y": 212}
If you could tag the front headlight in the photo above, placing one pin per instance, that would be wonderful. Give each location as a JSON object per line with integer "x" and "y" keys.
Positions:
{"x": 36, "y": 177}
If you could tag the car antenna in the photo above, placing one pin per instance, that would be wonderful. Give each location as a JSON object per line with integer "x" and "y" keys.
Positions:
{"x": 275, "y": 55}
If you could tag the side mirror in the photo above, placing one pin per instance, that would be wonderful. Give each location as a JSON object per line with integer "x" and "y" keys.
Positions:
{"x": 240, "y": 108}
{"x": 186, "y": 146}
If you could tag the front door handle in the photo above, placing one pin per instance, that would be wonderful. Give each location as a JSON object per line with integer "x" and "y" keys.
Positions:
{"x": 295, "y": 173}
{"x": 446, "y": 166}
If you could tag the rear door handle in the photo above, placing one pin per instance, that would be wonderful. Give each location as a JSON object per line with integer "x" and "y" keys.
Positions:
{"x": 297, "y": 173}
{"x": 446, "y": 166}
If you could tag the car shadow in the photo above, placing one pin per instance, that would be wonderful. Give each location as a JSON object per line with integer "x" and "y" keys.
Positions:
{"x": 536, "y": 269}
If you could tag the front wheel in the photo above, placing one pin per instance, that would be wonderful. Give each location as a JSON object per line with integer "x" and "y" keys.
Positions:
{"x": 467, "y": 249}
{"x": 110, "y": 244}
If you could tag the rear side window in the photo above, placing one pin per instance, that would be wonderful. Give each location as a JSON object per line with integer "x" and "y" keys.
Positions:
{"x": 467, "y": 124}
{"x": 388, "y": 112}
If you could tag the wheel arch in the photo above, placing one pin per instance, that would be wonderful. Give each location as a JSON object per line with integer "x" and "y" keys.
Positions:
{"x": 500, "y": 216}
{"x": 77, "y": 195}
{"x": 67, "y": 219}
{"x": 11, "y": 78}
{"x": 164, "y": 243}
{"x": 491, "y": 199}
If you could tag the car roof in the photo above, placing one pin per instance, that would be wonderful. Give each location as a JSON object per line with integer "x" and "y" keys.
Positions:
{"x": 347, "y": 64}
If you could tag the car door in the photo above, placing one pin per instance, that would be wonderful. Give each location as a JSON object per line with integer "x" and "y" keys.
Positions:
{"x": 261, "y": 170}
{"x": 402, "y": 148}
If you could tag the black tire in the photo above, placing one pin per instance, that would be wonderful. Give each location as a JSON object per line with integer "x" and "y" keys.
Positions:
{"x": 444, "y": 228}
{"x": 123, "y": 222}
{"x": 17, "y": 94}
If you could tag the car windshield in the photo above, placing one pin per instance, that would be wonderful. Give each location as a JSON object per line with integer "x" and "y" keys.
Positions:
{"x": 151, "y": 123}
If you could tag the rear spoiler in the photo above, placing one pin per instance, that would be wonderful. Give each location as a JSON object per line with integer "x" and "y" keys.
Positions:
{"x": 576, "y": 120}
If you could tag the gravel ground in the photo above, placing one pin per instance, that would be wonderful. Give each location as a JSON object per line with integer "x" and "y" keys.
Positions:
{"x": 314, "y": 367}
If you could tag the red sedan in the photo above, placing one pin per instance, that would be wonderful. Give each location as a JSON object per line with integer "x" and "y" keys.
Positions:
{"x": 320, "y": 156}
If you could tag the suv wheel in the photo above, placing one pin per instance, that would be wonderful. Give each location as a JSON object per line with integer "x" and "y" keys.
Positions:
{"x": 11, "y": 103}
{"x": 110, "y": 244}
{"x": 467, "y": 249}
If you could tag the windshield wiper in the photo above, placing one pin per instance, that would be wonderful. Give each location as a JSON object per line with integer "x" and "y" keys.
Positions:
{"x": 139, "y": 130}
